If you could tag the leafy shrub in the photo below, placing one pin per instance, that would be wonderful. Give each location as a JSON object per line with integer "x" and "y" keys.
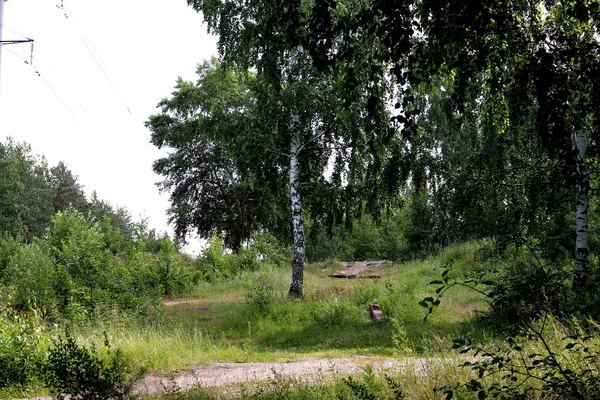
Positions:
{"x": 414, "y": 221}
{"x": 20, "y": 353}
{"x": 524, "y": 288}
{"x": 470, "y": 256}
{"x": 322, "y": 245}
{"x": 214, "y": 263}
{"x": 571, "y": 371}
{"x": 79, "y": 247}
{"x": 76, "y": 371}
{"x": 34, "y": 277}
{"x": 268, "y": 252}
{"x": 399, "y": 234}
{"x": 261, "y": 297}
{"x": 519, "y": 285}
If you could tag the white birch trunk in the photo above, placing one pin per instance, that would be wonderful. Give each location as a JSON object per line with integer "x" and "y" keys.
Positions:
{"x": 581, "y": 268}
{"x": 297, "y": 220}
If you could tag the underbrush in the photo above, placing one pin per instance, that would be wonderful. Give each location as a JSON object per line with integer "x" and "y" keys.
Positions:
{"x": 35, "y": 358}
{"x": 80, "y": 268}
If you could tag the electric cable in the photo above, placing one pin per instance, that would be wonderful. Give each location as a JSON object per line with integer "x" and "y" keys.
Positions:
{"x": 49, "y": 87}
{"x": 15, "y": 32}
{"x": 105, "y": 74}
{"x": 98, "y": 60}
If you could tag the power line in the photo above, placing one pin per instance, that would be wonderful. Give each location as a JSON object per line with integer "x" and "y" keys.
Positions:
{"x": 99, "y": 62}
{"x": 104, "y": 73}
{"x": 49, "y": 87}
{"x": 16, "y": 33}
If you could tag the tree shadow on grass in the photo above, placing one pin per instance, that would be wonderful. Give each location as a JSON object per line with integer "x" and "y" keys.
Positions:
{"x": 367, "y": 337}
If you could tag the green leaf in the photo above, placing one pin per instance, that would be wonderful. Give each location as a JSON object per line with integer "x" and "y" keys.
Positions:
{"x": 473, "y": 385}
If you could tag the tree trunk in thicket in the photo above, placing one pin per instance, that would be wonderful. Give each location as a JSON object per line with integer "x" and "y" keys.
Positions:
{"x": 581, "y": 268}
{"x": 297, "y": 220}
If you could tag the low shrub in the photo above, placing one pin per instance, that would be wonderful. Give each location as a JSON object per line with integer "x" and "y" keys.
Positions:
{"x": 78, "y": 372}
{"x": 514, "y": 300}
{"x": 260, "y": 295}
{"x": 532, "y": 366}
{"x": 20, "y": 348}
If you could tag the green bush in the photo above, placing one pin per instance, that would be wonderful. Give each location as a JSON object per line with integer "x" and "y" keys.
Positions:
{"x": 214, "y": 264}
{"x": 261, "y": 294}
{"x": 324, "y": 246}
{"x": 567, "y": 370}
{"x": 399, "y": 234}
{"x": 20, "y": 352}
{"x": 524, "y": 288}
{"x": 34, "y": 277}
{"x": 75, "y": 371}
{"x": 80, "y": 248}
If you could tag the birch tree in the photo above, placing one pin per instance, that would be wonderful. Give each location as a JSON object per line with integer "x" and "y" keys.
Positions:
{"x": 297, "y": 107}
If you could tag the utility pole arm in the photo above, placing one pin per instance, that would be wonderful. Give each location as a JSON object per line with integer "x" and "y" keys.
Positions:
{"x": 1, "y": 28}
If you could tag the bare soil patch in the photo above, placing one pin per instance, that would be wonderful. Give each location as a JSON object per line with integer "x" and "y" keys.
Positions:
{"x": 309, "y": 370}
{"x": 175, "y": 302}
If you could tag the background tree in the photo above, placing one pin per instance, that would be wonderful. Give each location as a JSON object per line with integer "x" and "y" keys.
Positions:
{"x": 25, "y": 197}
{"x": 220, "y": 178}
{"x": 529, "y": 58}
{"x": 69, "y": 192}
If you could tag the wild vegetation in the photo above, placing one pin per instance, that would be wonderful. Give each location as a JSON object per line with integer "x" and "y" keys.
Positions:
{"x": 458, "y": 141}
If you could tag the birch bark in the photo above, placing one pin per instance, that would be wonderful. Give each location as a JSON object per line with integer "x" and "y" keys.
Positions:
{"x": 581, "y": 268}
{"x": 297, "y": 220}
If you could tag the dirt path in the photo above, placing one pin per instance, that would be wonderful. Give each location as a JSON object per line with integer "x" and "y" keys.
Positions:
{"x": 308, "y": 370}
{"x": 175, "y": 302}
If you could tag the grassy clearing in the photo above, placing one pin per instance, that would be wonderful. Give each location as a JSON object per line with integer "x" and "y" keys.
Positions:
{"x": 250, "y": 318}
{"x": 417, "y": 380}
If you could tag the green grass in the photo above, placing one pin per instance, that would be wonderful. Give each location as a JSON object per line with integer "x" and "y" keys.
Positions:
{"x": 250, "y": 318}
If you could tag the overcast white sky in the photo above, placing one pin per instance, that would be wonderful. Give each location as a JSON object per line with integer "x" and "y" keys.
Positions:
{"x": 72, "y": 113}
